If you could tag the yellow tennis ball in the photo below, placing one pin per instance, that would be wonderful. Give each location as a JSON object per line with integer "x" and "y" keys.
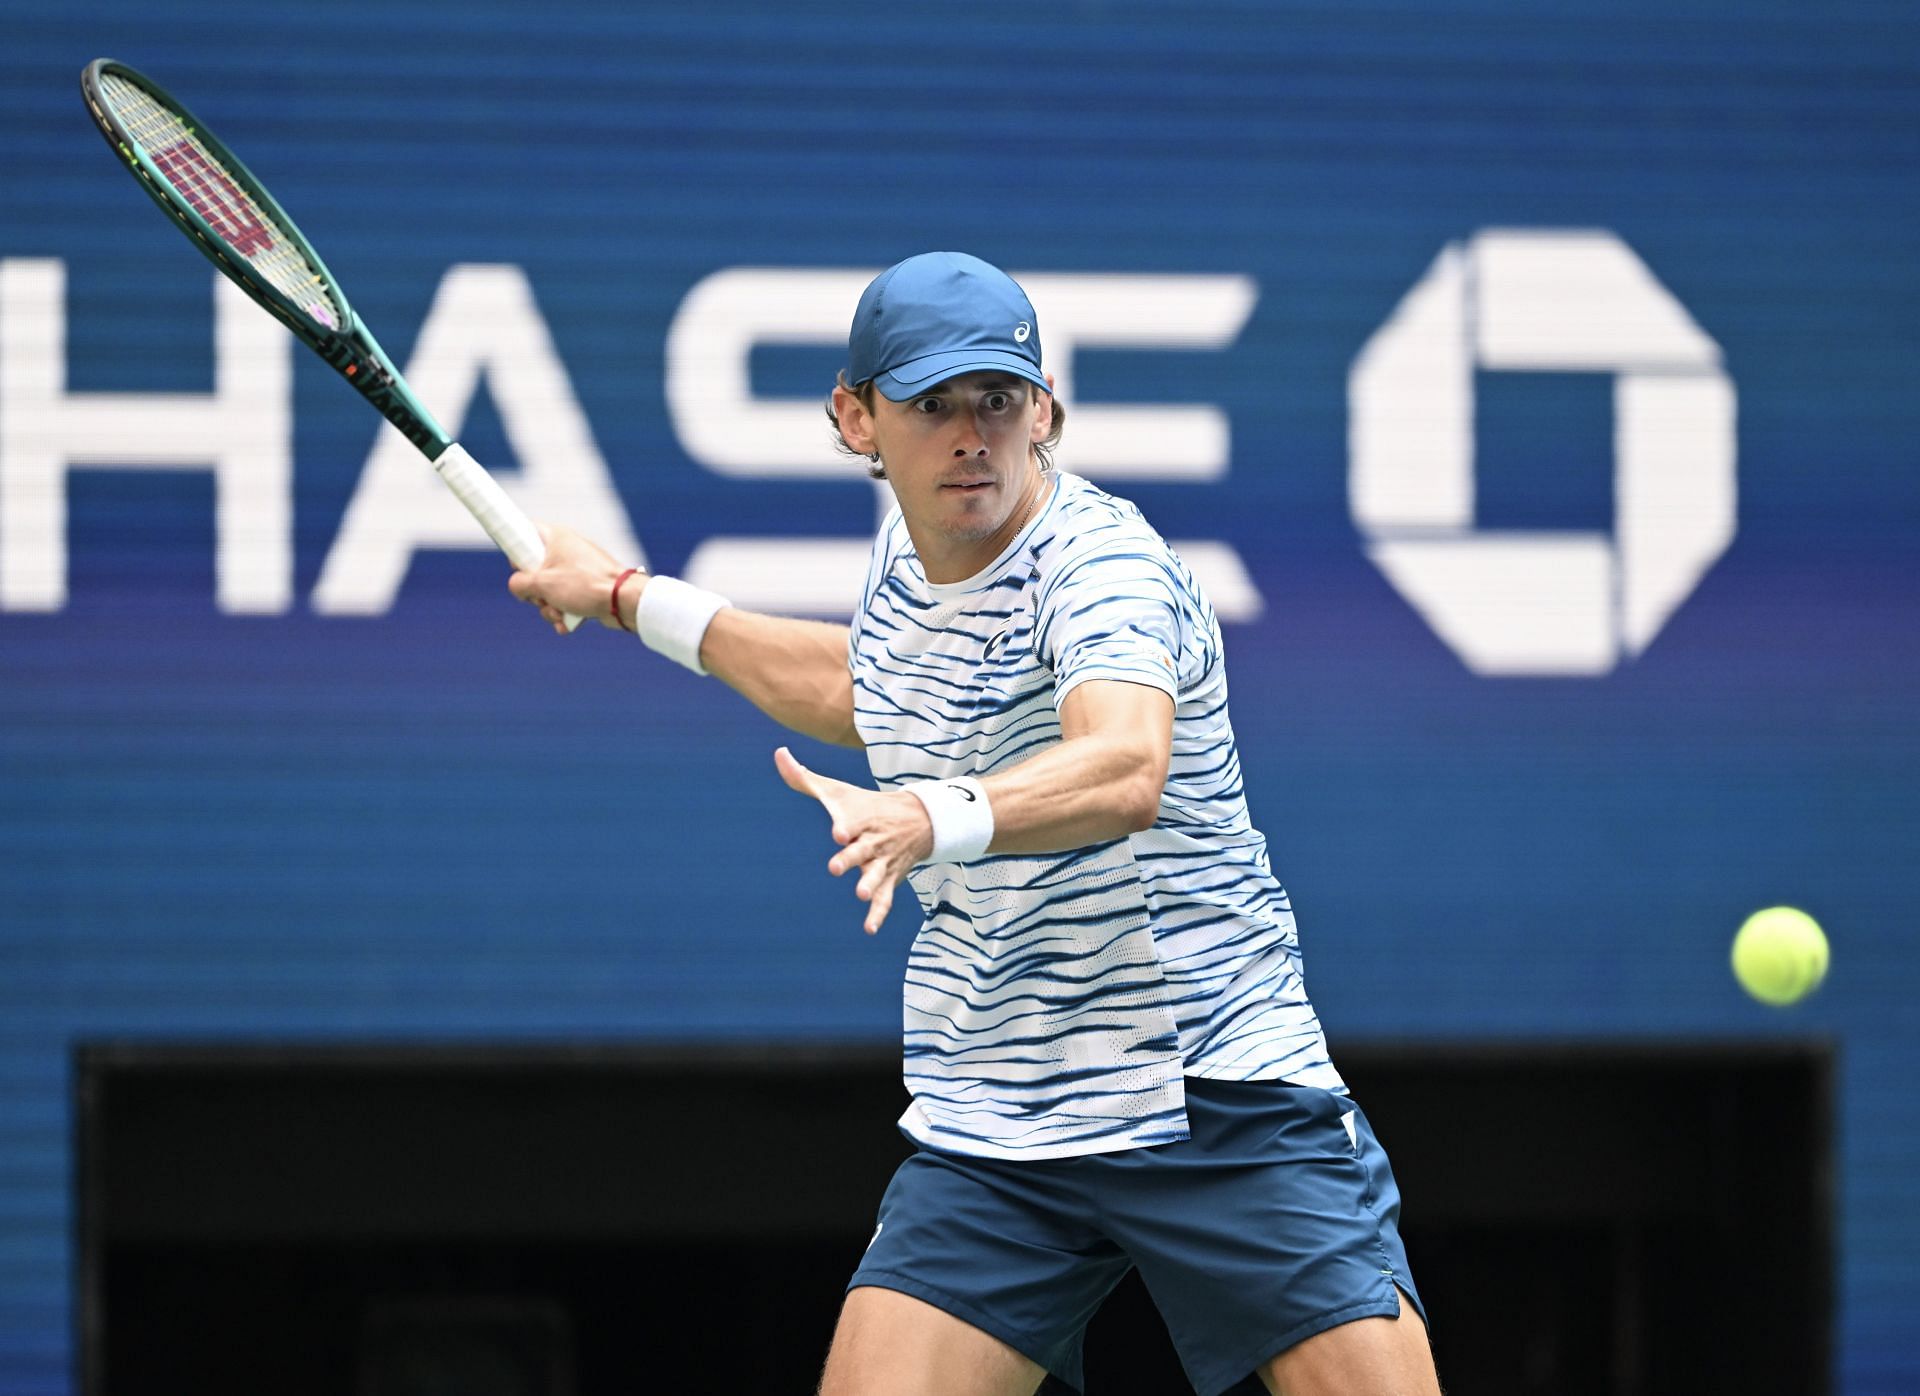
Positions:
{"x": 1780, "y": 955}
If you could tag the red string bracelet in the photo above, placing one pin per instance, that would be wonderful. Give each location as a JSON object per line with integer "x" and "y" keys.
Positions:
{"x": 619, "y": 582}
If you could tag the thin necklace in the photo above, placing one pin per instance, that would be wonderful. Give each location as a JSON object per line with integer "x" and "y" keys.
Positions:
{"x": 1032, "y": 504}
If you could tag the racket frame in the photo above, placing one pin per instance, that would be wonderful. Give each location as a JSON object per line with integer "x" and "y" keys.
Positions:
{"x": 350, "y": 347}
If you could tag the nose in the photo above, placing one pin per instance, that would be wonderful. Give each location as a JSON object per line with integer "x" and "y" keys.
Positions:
{"x": 971, "y": 440}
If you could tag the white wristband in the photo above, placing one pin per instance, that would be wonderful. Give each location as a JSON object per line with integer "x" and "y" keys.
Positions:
{"x": 962, "y": 818}
{"x": 673, "y": 617}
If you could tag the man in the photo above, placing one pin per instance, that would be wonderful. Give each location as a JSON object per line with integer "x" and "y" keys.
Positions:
{"x": 1109, "y": 1047}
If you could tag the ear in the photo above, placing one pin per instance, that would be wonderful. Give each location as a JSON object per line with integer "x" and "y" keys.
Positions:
{"x": 1043, "y": 419}
{"x": 856, "y": 423}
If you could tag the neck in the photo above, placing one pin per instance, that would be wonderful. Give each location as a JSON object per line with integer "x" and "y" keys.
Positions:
{"x": 952, "y": 560}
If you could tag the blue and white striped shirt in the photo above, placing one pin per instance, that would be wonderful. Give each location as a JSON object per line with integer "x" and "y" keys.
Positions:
{"x": 1055, "y": 1001}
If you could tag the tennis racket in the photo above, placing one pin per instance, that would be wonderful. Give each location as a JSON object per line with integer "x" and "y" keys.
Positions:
{"x": 243, "y": 231}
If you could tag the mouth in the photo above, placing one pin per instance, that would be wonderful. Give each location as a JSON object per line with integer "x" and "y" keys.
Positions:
{"x": 968, "y": 486}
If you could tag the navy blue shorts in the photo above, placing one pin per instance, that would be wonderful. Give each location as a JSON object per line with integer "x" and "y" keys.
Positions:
{"x": 1276, "y": 1220}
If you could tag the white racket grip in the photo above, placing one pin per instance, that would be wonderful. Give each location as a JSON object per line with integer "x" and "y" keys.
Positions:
{"x": 498, "y": 515}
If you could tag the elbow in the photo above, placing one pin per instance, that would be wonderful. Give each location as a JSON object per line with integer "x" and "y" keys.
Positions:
{"x": 1140, "y": 802}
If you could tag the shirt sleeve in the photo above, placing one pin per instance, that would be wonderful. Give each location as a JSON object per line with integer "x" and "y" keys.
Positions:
{"x": 1113, "y": 614}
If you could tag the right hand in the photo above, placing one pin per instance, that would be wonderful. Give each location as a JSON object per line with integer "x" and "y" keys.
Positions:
{"x": 575, "y": 578}
{"x": 881, "y": 832}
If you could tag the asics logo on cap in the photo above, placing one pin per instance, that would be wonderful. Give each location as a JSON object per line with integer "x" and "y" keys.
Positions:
{"x": 1021, "y": 331}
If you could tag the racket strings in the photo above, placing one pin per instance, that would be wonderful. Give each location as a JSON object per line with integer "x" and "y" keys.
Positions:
{"x": 205, "y": 183}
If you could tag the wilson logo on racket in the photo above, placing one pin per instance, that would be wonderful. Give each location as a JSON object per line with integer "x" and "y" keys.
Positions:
{"x": 213, "y": 197}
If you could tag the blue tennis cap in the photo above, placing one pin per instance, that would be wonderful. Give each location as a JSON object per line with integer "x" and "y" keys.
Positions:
{"x": 936, "y": 316}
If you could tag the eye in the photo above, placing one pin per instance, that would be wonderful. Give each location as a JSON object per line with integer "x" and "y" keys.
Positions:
{"x": 927, "y": 406}
{"x": 999, "y": 402}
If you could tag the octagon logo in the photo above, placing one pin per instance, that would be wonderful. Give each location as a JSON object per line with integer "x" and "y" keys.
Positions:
{"x": 1541, "y": 603}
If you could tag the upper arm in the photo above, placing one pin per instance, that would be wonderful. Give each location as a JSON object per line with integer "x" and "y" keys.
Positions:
{"x": 1136, "y": 712}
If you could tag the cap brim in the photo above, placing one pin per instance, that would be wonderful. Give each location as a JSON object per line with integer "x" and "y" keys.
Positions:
{"x": 912, "y": 379}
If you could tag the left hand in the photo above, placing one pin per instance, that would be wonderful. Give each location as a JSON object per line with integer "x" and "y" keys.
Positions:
{"x": 883, "y": 833}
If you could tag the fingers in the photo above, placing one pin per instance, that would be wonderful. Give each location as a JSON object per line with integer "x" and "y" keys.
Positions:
{"x": 572, "y": 568}
{"x": 864, "y": 849}
{"x": 796, "y": 776}
{"x": 552, "y": 615}
{"x": 807, "y": 782}
{"x": 858, "y": 851}
{"x": 820, "y": 787}
{"x": 524, "y": 588}
{"x": 882, "y": 903}
{"x": 878, "y": 877}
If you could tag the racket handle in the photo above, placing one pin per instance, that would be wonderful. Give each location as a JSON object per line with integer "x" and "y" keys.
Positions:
{"x": 498, "y": 515}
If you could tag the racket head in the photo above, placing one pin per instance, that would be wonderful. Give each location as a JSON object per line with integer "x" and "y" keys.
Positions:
{"x": 215, "y": 199}
{"x": 230, "y": 216}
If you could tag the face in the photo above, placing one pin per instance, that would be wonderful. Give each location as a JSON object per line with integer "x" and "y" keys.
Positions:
{"x": 959, "y": 456}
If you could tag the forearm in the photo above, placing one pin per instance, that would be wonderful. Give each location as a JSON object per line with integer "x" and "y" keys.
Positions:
{"x": 1088, "y": 789}
{"x": 1102, "y": 781}
{"x": 794, "y": 671}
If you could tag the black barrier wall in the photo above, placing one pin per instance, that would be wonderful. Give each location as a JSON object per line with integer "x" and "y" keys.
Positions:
{"x": 553, "y": 1222}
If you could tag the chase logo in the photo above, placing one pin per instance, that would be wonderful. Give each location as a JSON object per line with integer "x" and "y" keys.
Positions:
{"x": 1021, "y": 331}
{"x": 1542, "y": 301}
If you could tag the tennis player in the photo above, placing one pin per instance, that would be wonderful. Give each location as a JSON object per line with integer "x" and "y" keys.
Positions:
{"x": 1109, "y": 1047}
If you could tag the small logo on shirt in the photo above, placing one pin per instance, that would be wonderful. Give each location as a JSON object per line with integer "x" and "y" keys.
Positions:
{"x": 876, "y": 1235}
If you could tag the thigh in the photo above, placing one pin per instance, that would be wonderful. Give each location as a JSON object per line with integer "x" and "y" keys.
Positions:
{"x": 1010, "y": 1249}
{"x": 891, "y": 1344}
{"x": 1366, "y": 1357}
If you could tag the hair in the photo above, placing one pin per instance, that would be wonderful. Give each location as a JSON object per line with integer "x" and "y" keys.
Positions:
{"x": 866, "y": 392}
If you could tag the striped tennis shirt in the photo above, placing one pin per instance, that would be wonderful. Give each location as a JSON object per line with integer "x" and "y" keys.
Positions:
{"x": 1055, "y": 1001}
